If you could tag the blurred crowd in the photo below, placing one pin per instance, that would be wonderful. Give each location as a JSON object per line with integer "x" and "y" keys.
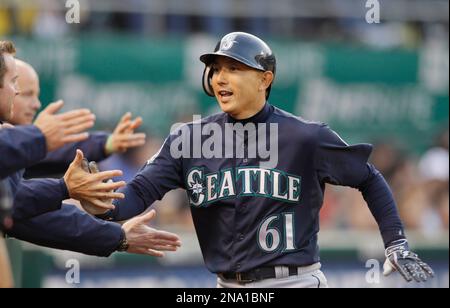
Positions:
{"x": 47, "y": 19}
{"x": 419, "y": 184}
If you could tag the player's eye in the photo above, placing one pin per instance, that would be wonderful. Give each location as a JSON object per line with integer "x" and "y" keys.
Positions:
{"x": 214, "y": 69}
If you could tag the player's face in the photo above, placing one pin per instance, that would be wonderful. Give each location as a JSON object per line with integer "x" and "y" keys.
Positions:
{"x": 9, "y": 90}
{"x": 239, "y": 89}
{"x": 27, "y": 102}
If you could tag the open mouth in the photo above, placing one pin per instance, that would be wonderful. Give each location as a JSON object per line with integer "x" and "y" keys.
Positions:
{"x": 225, "y": 95}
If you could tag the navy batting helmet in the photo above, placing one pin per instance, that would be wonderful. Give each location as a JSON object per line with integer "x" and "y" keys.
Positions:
{"x": 242, "y": 47}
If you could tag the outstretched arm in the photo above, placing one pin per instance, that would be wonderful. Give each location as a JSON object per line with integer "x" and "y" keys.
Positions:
{"x": 161, "y": 174}
{"x": 340, "y": 164}
{"x": 72, "y": 229}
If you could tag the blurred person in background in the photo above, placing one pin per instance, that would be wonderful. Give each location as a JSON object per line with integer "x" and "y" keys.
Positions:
{"x": 5, "y": 21}
{"x": 132, "y": 160}
{"x": 433, "y": 165}
{"x": 433, "y": 171}
{"x": 50, "y": 20}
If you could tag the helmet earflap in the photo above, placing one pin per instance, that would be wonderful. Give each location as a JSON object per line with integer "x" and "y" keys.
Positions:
{"x": 207, "y": 76}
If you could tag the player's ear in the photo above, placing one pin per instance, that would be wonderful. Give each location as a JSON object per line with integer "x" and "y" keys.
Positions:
{"x": 266, "y": 80}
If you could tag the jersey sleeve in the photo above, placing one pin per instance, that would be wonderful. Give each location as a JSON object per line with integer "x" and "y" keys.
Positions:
{"x": 70, "y": 229}
{"x": 20, "y": 147}
{"x": 161, "y": 174}
{"x": 338, "y": 163}
{"x": 34, "y": 197}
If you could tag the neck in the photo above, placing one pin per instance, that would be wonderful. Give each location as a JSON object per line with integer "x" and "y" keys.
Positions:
{"x": 250, "y": 112}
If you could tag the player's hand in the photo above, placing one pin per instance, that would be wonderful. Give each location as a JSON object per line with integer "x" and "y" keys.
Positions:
{"x": 91, "y": 167}
{"x": 64, "y": 128}
{"x": 83, "y": 186}
{"x": 124, "y": 137}
{"x": 407, "y": 263}
{"x": 148, "y": 241}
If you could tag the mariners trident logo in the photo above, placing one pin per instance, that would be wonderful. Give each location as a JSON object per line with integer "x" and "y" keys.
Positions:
{"x": 228, "y": 42}
{"x": 205, "y": 189}
{"x": 197, "y": 190}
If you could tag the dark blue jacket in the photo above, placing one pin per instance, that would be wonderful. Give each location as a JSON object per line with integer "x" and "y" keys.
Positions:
{"x": 70, "y": 229}
{"x": 20, "y": 147}
{"x": 35, "y": 197}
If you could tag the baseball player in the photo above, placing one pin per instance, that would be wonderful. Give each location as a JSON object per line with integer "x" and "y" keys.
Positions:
{"x": 257, "y": 221}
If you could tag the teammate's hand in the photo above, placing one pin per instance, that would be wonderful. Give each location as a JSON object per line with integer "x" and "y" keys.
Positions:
{"x": 148, "y": 241}
{"x": 64, "y": 128}
{"x": 91, "y": 167}
{"x": 83, "y": 186}
{"x": 407, "y": 263}
{"x": 124, "y": 137}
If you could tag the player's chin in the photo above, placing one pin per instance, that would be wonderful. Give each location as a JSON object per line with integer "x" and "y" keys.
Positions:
{"x": 226, "y": 106}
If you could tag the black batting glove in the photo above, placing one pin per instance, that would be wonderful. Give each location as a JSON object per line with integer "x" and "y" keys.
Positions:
{"x": 407, "y": 263}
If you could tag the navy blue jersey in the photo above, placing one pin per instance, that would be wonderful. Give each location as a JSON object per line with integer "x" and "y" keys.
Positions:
{"x": 35, "y": 197}
{"x": 20, "y": 147}
{"x": 247, "y": 216}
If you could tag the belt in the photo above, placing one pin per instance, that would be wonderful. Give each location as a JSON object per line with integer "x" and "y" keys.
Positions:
{"x": 262, "y": 273}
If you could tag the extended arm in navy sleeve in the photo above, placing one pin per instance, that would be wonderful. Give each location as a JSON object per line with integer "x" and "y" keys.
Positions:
{"x": 338, "y": 163}
{"x": 381, "y": 203}
{"x": 70, "y": 229}
{"x": 20, "y": 147}
{"x": 161, "y": 174}
{"x": 58, "y": 161}
{"x": 35, "y": 197}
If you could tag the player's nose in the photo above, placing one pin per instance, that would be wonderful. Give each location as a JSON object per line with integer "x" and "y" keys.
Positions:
{"x": 221, "y": 76}
{"x": 36, "y": 104}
